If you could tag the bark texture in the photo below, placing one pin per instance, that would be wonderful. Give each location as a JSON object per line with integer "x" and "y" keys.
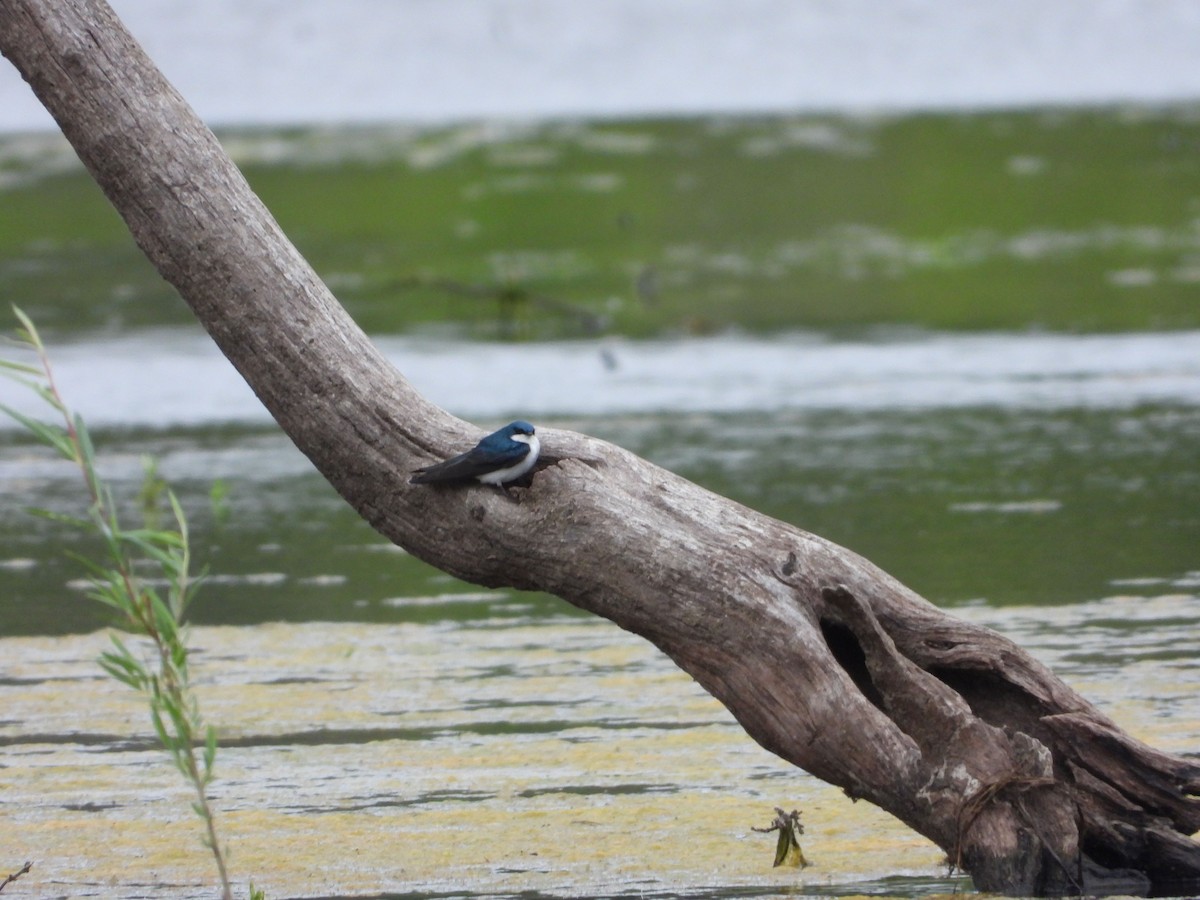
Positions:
{"x": 824, "y": 659}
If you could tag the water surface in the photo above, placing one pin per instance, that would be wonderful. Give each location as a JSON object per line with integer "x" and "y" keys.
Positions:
{"x": 522, "y": 753}
{"x": 1012, "y": 468}
{"x": 963, "y": 346}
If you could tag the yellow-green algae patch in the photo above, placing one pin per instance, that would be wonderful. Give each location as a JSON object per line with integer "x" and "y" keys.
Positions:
{"x": 564, "y": 756}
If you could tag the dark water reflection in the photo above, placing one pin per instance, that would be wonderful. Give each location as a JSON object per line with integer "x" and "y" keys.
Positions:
{"x": 975, "y": 504}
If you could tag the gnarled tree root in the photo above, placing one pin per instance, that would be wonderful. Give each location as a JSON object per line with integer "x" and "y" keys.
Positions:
{"x": 1052, "y": 798}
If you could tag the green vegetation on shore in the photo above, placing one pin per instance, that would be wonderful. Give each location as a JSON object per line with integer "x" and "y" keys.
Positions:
{"x": 1058, "y": 219}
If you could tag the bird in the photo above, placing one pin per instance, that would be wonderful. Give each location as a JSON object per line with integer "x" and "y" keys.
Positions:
{"x": 501, "y": 457}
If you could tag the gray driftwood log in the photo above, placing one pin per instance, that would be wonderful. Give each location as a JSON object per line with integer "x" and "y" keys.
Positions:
{"x": 824, "y": 659}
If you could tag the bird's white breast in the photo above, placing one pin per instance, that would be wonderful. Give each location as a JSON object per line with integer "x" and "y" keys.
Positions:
{"x": 500, "y": 476}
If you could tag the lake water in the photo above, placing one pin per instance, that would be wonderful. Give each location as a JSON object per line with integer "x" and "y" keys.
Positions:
{"x": 390, "y": 732}
{"x": 480, "y": 745}
{"x": 963, "y": 346}
{"x": 1029, "y": 468}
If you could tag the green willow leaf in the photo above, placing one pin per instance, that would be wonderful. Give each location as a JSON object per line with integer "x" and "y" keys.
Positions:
{"x": 23, "y": 368}
{"x": 50, "y": 435}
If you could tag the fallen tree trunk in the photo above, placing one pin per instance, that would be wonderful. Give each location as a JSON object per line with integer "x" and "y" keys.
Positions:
{"x": 824, "y": 659}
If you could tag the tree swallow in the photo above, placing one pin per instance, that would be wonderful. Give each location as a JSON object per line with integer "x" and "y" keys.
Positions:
{"x": 502, "y": 456}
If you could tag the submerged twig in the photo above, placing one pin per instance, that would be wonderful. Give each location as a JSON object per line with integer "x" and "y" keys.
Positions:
{"x": 510, "y": 296}
{"x": 9, "y": 879}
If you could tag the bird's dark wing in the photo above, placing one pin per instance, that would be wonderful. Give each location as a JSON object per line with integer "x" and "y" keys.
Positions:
{"x": 472, "y": 464}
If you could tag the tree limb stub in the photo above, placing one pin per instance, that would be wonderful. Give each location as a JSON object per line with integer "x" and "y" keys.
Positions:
{"x": 824, "y": 659}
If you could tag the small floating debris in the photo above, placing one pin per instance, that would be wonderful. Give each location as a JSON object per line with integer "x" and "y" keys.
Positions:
{"x": 787, "y": 848}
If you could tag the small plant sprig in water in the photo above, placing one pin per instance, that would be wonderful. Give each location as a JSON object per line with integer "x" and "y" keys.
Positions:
{"x": 142, "y": 609}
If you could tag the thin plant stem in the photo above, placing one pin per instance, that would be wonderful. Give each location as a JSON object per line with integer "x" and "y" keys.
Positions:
{"x": 173, "y": 707}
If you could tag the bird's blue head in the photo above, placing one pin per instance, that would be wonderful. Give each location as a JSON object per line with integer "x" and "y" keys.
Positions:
{"x": 518, "y": 427}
